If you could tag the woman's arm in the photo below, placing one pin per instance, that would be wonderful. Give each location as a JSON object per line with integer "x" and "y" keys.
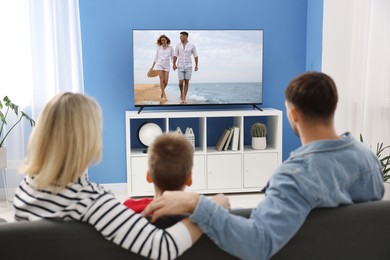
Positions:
{"x": 133, "y": 232}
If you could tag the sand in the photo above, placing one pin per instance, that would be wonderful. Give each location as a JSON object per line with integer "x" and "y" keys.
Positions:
{"x": 147, "y": 94}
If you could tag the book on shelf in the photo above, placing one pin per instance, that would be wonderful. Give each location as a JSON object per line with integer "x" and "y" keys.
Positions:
{"x": 222, "y": 140}
{"x": 235, "y": 138}
{"x": 228, "y": 141}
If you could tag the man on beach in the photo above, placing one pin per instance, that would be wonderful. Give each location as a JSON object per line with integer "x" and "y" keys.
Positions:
{"x": 183, "y": 52}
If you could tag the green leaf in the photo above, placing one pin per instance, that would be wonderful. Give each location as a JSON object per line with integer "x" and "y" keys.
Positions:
{"x": 3, "y": 116}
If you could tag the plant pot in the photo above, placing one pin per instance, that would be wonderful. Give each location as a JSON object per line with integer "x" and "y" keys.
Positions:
{"x": 3, "y": 157}
{"x": 259, "y": 143}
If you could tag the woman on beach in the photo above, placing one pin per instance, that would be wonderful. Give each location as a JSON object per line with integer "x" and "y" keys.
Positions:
{"x": 66, "y": 140}
{"x": 162, "y": 62}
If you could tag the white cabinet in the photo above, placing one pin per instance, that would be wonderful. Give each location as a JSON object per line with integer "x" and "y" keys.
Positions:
{"x": 224, "y": 171}
{"x": 244, "y": 170}
{"x": 258, "y": 168}
{"x": 198, "y": 176}
{"x": 139, "y": 184}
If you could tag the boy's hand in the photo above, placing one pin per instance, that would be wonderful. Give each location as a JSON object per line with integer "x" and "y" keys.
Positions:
{"x": 221, "y": 200}
{"x": 172, "y": 203}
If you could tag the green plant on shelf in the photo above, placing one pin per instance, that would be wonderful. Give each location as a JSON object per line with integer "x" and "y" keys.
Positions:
{"x": 259, "y": 130}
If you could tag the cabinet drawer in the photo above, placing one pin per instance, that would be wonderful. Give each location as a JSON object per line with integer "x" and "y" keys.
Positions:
{"x": 258, "y": 168}
{"x": 198, "y": 176}
{"x": 224, "y": 171}
{"x": 139, "y": 184}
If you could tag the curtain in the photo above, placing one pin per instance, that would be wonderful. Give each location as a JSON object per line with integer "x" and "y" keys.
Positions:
{"x": 41, "y": 56}
{"x": 356, "y": 53}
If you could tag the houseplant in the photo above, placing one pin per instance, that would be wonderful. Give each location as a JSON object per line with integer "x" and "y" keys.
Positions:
{"x": 259, "y": 132}
{"x": 6, "y": 106}
{"x": 385, "y": 161}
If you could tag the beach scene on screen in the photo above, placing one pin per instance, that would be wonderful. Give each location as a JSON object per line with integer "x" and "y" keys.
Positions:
{"x": 230, "y": 67}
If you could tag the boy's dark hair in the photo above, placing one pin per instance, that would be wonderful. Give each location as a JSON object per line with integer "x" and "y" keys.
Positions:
{"x": 314, "y": 94}
{"x": 184, "y": 33}
{"x": 170, "y": 161}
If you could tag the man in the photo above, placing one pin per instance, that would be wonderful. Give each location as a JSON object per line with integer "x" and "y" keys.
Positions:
{"x": 328, "y": 170}
{"x": 183, "y": 52}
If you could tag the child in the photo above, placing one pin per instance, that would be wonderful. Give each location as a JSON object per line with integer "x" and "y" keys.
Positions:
{"x": 170, "y": 160}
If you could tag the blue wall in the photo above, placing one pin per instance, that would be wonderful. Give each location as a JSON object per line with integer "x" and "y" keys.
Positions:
{"x": 106, "y": 28}
{"x": 314, "y": 35}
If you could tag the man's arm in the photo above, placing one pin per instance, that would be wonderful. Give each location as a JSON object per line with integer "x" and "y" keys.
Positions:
{"x": 179, "y": 202}
{"x": 271, "y": 225}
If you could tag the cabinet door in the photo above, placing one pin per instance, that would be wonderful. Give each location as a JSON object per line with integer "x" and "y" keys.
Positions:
{"x": 224, "y": 171}
{"x": 258, "y": 168}
{"x": 198, "y": 178}
{"x": 139, "y": 184}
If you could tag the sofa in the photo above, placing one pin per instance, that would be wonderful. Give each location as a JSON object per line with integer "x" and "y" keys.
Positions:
{"x": 359, "y": 231}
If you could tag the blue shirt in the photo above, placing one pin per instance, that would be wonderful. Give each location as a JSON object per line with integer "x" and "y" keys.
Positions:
{"x": 325, "y": 173}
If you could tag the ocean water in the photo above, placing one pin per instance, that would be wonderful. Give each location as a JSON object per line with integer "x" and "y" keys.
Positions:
{"x": 218, "y": 93}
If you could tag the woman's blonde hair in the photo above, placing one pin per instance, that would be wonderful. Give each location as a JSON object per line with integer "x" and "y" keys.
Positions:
{"x": 65, "y": 141}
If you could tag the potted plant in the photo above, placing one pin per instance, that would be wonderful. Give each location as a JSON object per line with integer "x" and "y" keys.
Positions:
{"x": 385, "y": 161}
{"x": 5, "y": 107}
{"x": 259, "y": 132}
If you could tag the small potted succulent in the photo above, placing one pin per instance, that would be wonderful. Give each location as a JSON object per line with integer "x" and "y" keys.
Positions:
{"x": 259, "y": 132}
{"x": 7, "y": 106}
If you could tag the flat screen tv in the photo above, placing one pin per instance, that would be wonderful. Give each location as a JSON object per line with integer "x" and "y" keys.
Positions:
{"x": 230, "y": 68}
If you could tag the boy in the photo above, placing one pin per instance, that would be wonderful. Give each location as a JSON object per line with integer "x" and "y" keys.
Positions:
{"x": 170, "y": 160}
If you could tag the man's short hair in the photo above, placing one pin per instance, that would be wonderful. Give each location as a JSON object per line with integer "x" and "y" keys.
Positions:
{"x": 170, "y": 161}
{"x": 184, "y": 33}
{"x": 314, "y": 94}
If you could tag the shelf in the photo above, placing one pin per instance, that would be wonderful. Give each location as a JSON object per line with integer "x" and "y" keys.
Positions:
{"x": 244, "y": 170}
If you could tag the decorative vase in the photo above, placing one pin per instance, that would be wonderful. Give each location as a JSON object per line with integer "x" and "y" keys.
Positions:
{"x": 3, "y": 157}
{"x": 259, "y": 143}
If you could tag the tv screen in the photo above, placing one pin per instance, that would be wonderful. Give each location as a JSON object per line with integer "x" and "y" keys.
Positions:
{"x": 230, "y": 66}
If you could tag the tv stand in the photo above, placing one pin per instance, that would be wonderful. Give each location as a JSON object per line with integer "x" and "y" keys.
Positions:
{"x": 140, "y": 110}
{"x": 227, "y": 171}
{"x": 255, "y": 106}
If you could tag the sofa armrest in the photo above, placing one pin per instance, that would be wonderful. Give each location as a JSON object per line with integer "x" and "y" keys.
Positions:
{"x": 358, "y": 231}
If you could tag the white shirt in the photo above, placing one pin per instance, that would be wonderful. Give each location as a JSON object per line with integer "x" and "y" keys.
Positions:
{"x": 184, "y": 54}
{"x": 163, "y": 57}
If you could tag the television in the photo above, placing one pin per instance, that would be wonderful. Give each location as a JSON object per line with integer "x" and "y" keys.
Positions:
{"x": 230, "y": 70}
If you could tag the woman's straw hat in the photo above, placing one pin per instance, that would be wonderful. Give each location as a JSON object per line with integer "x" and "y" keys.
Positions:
{"x": 152, "y": 73}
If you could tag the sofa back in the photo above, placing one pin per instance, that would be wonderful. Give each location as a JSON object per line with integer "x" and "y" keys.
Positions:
{"x": 360, "y": 231}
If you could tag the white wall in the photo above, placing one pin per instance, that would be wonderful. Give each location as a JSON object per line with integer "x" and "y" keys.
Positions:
{"x": 356, "y": 40}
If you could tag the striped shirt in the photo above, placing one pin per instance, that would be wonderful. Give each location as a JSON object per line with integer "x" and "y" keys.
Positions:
{"x": 88, "y": 202}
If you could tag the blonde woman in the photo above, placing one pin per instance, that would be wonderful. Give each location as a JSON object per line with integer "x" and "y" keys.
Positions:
{"x": 162, "y": 61}
{"x": 65, "y": 141}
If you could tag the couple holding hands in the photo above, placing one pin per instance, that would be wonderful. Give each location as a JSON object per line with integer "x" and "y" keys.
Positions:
{"x": 182, "y": 55}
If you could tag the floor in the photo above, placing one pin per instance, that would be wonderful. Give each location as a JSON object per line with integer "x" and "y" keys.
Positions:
{"x": 246, "y": 200}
